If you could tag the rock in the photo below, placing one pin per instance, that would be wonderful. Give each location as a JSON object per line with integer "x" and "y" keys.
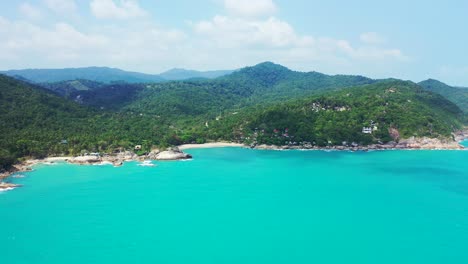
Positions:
{"x": 126, "y": 155}
{"x": 153, "y": 154}
{"x": 117, "y": 163}
{"x": 172, "y": 155}
{"x": 5, "y": 186}
{"x": 85, "y": 159}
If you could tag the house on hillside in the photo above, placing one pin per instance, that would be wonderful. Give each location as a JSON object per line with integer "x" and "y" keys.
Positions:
{"x": 367, "y": 130}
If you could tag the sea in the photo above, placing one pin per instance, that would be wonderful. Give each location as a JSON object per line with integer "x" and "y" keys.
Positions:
{"x": 237, "y": 205}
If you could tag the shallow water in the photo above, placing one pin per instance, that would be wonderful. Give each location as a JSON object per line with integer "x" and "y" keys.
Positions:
{"x": 464, "y": 143}
{"x": 234, "y": 205}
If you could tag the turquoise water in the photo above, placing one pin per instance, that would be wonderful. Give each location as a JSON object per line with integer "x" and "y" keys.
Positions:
{"x": 237, "y": 205}
{"x": 464, "y": 143}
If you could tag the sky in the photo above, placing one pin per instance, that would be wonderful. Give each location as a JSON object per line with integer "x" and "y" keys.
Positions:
{"x": 411, "y": 40}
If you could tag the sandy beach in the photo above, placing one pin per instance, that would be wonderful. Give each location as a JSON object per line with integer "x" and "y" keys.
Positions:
{"x": 210, "y": 145}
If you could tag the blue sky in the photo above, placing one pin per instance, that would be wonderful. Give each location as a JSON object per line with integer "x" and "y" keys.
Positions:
{"x": 412, "y": 40}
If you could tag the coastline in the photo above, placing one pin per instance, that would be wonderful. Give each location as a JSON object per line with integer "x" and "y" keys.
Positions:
{"x": 176, "y": 153}
{"x": 210, "y": 145}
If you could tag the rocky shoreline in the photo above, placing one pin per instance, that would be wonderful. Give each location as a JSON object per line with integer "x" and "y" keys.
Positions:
{"x": 406, "y": 144}
{"x": 116, "y": 159}
{"x": 174, "y": 153}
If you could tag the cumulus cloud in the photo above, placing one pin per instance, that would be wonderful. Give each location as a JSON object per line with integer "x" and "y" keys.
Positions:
{"x": 371, "y": 38}
{"x": 29, "y": 11}
{"x": 274, "y": 38}
{"x": 27, "y": 45}
{"x": 250, "y": 8}
{"x": 125, "y": 9}
{"x": 238, "y": 32}
{"x": 61, "y": 6}
{"x": 232, "y": 40}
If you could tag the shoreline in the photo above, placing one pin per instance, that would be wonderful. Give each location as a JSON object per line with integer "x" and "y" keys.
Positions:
{"x": 210, "y": 145}
{"x": 177, "y": 153}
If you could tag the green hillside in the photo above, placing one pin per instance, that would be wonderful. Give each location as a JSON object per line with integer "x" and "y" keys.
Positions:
{"x": 457, "y": 95}
{"x": 337, "y": 117}
{"x": 264, "y": 83}
{"x": 35, "y": 122}
{"x": 266, "y": 103}
{"x": 69, "y": 88}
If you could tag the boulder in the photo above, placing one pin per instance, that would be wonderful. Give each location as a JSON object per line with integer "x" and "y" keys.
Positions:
{"x": 85, "y": 159}
{"x": 172, "y": 155}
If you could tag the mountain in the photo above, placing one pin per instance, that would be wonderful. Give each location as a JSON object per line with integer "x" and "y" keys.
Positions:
{"x": 98, "y": 74}
{"x": 266, "y": 103}
{"x": 388, "y": 107}
{"x": 265, "y": 83}
{"x": 32, "y": 118}
{"x": 183, "y": 74}
{"x": 458, "y": 95}
{"x": 36, "y": 122}
{"x": 108, "y": 75}
{"x": 68, "y": 88}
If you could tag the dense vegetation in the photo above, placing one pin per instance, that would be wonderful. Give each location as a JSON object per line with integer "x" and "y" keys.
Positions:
{"x": 338, "y": 118}
{"x": 458, "y": 95}
{"x": 68, "y": 89}
{"x": 36, "y": 122}
{"x": 263, "y": 84}
{"x": 267, "y": 103}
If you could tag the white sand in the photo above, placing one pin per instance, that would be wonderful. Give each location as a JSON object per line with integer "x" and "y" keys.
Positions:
{"x": 210, "y": 145}
{"x": 51, "y": 159}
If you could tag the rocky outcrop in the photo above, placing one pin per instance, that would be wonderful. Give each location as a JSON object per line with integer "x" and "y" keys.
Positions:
{"x": 153, "y": 154}
{"x": 172, "y": 154}
{"x": 8, "y": 186}
{"x": 428, "y": 143}
{"x": 410, "y": 143}
{"x": 461, "y": 135}
{"x": 90, "y": 159}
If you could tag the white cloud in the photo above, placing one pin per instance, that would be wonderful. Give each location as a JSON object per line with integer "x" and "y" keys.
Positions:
{"x": 371, "y": 38}
{"x": 64, "y": 7}
{"x": 250, "y": 8}
{"x": 237, "y": 32}
{"x": 109, "y": 9}
{"x": 26, "y": 45}
{"x": 222, "y": 42}
{"x": 275, "y": 39}
{"x": 30, "y": 12}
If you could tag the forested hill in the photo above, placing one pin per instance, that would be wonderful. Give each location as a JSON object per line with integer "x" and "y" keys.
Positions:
{"x": 266, "y": 103}
{"x": 458, "y": 95}
{"x": 261, "y": 84}
{"x": 35, "y": 122}
{"x": 109, "y": 75}
{"x": 30, "y": 116}
{"x": 264, "y": 83}
{"x": 98, "y": 74}
{"x": 336, "y": 117}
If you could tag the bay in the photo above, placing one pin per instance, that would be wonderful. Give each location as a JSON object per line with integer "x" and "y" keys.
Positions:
{"x": 235, "y": 205}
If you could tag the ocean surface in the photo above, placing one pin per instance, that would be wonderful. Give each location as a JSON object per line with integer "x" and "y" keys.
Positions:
{"x": 234, "y": 205}
{"x": 464, "y": 143}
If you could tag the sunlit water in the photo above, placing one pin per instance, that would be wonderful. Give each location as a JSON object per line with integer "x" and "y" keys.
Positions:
{"x": 234, "y": 205}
